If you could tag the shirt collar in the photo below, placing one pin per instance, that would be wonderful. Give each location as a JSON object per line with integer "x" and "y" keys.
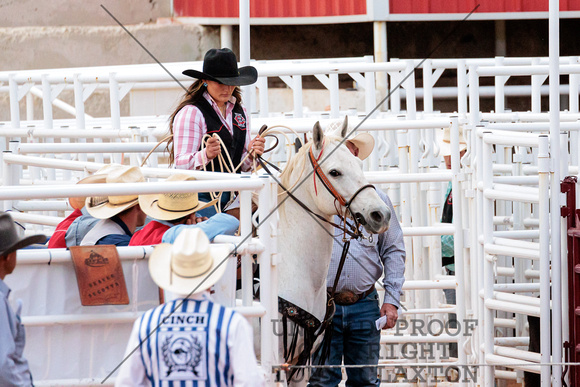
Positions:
{"x": 165, "y": 222}
{"x": 4, "y": 289}
{"x": 203, "y": 295}
{"x": 212, "y": 102}
{"x": 118, "y": 220}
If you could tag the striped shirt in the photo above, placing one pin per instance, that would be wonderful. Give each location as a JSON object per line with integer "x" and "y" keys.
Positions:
{"x": 198, "y": 343}
{"x": 189, "y": 127}
{"x": 367, "y": 261}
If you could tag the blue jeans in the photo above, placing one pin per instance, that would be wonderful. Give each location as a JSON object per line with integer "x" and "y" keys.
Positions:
{"x": 356, "y": 340}
{"x": 210, "y": 211}
{"x": 450, "y": 298}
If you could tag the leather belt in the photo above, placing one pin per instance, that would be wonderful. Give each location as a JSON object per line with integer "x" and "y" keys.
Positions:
{"x": 347, "y": 297}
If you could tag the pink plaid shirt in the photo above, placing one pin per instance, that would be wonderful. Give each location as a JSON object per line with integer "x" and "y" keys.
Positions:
{"x": 189, "y": 127}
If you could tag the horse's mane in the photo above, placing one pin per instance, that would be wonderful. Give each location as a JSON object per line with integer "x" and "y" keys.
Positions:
{"x": 299, "y": 159}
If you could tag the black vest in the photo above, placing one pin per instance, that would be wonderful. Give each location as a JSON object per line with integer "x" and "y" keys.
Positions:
{"x": 234, "y": 146}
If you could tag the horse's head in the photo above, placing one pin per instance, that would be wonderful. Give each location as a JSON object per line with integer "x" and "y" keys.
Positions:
{"x": 344, "y": 174}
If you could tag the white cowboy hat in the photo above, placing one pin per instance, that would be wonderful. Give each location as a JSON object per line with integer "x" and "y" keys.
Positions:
{"x": 170, "y": 206}
{"x": 190, "y": 265}
{"x": 99, "y": 177}
{"x": 444, "y": 139}
{"x": 109, "y": 206}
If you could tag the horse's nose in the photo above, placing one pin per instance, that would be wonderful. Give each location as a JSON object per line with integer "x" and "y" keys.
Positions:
{"x": 380, "y": 216}
{"x": 377, "y": 217}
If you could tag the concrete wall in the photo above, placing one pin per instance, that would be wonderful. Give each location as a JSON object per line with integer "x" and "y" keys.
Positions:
{"x": 26, "y": 48}
{"x": 21, "y": 13}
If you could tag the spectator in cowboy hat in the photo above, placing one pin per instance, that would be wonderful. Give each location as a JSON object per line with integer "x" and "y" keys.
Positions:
{"x": 213, "y": 106}
{"x": 58, "y": 238}
{"x": 175, "y": 212}
{"x": 190, "y": 339}
{"x": 14, "y": 370}
{"x": 120, "y": 214}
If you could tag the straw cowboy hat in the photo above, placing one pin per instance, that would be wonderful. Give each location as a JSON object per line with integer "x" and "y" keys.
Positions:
{"x": 190, "y": 265}
{"x": 9, "y": 239}
{"x": 170, "y": 206}
{"x": 444, "y": 139}
{"x": 99, "y": 177}
{"x": 109, "y": 206}
{"x": 221, "y": 65}
{"x": 364, "y": 141}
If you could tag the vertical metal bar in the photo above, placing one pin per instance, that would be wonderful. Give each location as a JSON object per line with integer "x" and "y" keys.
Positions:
{"x": 428, "y": 86}
{"x": 554, "y": 80}
{"x": 334, "y": 97}
{"x": 246, "y": 230}
{"x": 499, "y": 88}
{"x": 29, "y": 106}
{"x": 473, "y": 96}
{"x": 461, "y": 88}
{"x": 488, "y": 274}
{"x": 544, "y": 213}
{"x": 297, "y": 94}
{"x": 48, "y": 120}
{"x": 80, "y": 111}
{"x": 115, "y": 104}
{"x": 7, "y": 180}
{"x": 263, "y": 88}
{"x": 380, "y": 51}
{"x": 268, "y": 294}
{"x": 14, "y": 105}
{"x": 537, "y": 80}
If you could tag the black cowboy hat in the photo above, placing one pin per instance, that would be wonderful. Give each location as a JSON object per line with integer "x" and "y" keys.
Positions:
{"x": 221, "y": 65}
{"x": 9, "y": 239}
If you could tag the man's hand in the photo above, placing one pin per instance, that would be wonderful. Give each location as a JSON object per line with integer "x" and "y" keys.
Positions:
{"x": 391, "y": 312}
{"x": 258, "y": 145}
{"x": 212, "y": 147}
{"x": 194, "y": 219}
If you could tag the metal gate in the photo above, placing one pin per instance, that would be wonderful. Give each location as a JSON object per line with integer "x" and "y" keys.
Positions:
{"x": 572, "y": 347}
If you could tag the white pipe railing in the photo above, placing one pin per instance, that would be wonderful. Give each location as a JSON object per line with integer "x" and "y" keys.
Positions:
{"x": 514, "y": 179}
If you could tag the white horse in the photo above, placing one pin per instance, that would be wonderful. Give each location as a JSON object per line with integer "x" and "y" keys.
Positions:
{"x": 305, "y": 244}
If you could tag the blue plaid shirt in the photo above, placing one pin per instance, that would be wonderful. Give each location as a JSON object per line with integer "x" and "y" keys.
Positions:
{"x": 368, "y": 261}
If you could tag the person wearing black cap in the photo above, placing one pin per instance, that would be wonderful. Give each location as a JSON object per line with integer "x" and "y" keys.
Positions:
{"x": 14, "y": 369}
{"x": 213, "y": 106}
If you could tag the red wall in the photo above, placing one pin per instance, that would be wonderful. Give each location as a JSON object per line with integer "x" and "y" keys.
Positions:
{"x": 269, "y": 8}
{"x": 317, "y": 8}
{"x": 465, "y": 6}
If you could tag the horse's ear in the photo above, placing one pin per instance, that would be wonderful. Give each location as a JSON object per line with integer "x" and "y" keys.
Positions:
{"x": 317, "y": 135}
{"x": 344, "y": 127}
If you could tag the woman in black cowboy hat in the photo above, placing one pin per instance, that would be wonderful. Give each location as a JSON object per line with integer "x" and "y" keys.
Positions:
{"x": 212, "y": 106}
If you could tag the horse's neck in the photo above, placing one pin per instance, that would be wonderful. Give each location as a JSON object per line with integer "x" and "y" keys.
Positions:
{"x": 305, "y": 247}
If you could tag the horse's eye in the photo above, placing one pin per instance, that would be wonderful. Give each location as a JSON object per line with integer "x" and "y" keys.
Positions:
{"x": 334, "y": 173}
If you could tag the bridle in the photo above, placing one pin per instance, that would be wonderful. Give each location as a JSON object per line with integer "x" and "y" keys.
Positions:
{"x": 339, "y": 198}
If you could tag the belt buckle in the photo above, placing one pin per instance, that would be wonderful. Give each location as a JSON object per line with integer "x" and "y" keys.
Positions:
{"x": 346, "y": 297}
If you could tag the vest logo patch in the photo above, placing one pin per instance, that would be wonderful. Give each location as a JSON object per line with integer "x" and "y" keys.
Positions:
{"x": 240, "y": 120}
{"x": 184, "y": 355}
